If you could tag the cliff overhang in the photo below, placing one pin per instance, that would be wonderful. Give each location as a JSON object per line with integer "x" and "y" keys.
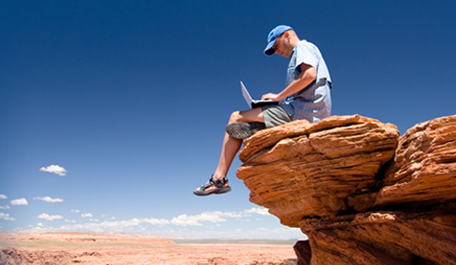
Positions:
{"x": 362, "y": 193}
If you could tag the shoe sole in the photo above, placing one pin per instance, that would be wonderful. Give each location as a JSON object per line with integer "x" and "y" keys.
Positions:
{"x": 214, "y": 191}
{"x": 242, "y": 130}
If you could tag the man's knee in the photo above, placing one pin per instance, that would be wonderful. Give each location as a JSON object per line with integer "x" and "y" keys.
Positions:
{"x": 235, "y": 117}
{"x": 252, "y": 115}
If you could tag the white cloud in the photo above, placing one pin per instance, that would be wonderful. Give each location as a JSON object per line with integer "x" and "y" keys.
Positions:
{"x": 133, "y": 222}
{"x": 48, "y": 199}
{"x": 183, "y": 220}
{"x": 195, "y": 220}
{"x": 48, "y": 217}
{"x": 214, "y": 217}
{"x": 5, "y": 207}
{"x": 6, "y": 216}
{"x": 21, "y": 201}
{"x": 260, "y": 211}
{"x": 154, "y": 221}
{"x": 3, "y": 196}
{"x": 75, "y": 211}
{"x": 115, "y": 225}
{"x": 55, "y": 169}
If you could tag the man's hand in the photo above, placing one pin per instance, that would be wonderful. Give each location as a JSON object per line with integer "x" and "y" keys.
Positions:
{"x": 307, "y": 75}
{"x": 270, "y": 96}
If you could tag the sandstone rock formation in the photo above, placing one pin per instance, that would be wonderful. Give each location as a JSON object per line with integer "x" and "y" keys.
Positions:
{"x": 310, "y": 169}
{"x": 424, "y": 166}
{"x": 361, "y": 193}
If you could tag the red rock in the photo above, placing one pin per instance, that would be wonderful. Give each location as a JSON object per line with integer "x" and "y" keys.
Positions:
{"x": 424, "y": 167}
{"x": 330, "y": 179}
{"x": 302, "y": 169}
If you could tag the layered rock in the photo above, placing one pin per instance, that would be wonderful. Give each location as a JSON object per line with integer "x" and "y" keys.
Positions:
{"x": 310, "y": 169}
{"x": 384, "y": 237}
{"x": 424, "y": 166}
{"x": 332, "y": 179}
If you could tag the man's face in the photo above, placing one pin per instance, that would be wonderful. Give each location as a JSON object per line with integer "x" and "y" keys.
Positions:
{"x": 283, "y": 46}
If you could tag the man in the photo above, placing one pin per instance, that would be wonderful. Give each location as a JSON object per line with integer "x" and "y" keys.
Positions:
{"x": 306, "y": 96}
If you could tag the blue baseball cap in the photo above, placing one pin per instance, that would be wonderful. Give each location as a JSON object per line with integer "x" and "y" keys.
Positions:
{"x": 272, "y": 37}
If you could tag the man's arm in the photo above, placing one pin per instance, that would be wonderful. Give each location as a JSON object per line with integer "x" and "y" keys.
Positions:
{"x": 308, "y": 75}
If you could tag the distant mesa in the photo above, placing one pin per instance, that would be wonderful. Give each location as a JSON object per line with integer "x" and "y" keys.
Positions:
{"x": 362, "y": 193}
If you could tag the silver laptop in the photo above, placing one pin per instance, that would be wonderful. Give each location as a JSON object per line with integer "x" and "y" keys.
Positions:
{"x": 252, "y": 102}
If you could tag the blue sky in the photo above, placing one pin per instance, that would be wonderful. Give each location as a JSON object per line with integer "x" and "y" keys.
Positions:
{"x": 129, "y": 100}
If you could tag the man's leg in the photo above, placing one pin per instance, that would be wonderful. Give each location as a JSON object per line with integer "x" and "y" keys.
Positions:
{"x": 231, "y": 146}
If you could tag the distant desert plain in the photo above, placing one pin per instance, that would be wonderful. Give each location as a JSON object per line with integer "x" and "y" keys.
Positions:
{"x": 60, "y": 248}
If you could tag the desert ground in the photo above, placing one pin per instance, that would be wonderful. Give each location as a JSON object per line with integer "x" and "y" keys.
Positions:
{"x": 57, "y": 248}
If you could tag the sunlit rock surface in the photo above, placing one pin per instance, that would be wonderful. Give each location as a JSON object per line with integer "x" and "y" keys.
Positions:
{"x": 359, "y": 191}
{"x": 424, "y": 167}
{"x": 310, "y": 169}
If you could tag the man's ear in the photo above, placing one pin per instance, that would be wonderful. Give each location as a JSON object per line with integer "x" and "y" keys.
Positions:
{"x": 287, "y": 35}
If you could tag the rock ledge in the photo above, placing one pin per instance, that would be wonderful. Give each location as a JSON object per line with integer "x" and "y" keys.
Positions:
{"x": 359, "y": 191}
